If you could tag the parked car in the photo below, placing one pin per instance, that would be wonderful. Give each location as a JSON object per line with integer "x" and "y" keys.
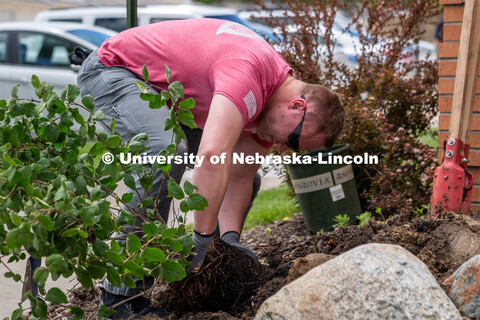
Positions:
{"x": 115, "y": 17}
{"x": 40, "y": 48}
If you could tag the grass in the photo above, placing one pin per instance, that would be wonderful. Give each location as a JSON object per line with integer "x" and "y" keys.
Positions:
{"x": 270, "y": 205}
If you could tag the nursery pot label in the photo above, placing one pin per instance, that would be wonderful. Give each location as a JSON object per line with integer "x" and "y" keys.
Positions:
{"x": 343, "y": 174}
{"x": 337, "y": 193}
{"x": 315, "y": 183}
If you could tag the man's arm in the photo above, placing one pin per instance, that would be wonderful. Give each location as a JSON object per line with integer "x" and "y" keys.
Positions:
{"x": 220, "y": 135}
{"x": 239, "y": 189}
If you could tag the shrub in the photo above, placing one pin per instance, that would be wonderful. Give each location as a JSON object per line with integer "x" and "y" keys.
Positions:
{"x": 53, "y": 197}
{"x": 390, "y": 98}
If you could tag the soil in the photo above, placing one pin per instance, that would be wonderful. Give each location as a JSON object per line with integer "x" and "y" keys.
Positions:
{"x": 232, "y": 286}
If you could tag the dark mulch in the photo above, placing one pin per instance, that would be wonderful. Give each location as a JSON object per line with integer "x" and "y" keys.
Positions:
{"x": 234, "y": 287}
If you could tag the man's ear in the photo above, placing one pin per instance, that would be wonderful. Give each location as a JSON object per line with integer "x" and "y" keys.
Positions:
{"x": 297, "y": 103}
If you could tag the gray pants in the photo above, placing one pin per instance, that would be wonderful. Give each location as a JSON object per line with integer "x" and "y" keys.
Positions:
{"x": 115, "y": 93}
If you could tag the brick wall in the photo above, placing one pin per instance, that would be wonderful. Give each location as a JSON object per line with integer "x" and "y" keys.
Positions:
{"x": 447, "y": 65}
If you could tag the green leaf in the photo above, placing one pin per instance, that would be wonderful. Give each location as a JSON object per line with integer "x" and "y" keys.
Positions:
{"x": 84, "y": 277}
{"x": 97, "y": 269}
{"x": 145, "y": 73}
{"x": 135, "y": 269}
{"x": 113, "y": 141}
{"x": 133, "y": 243}
{"x": 188, "y": 187}
{"x": 114, "y": 257}
{"x": 113, "y": 276}
{"x": 154, "y": 254}
{"x": 88, "y": 102}
{"x": 128, "y": 281}
{"x": 127, "y": 197}
{"x": 15, "y": 238}
{"x": 157, "y": 102}
{"x": 40, "y": 310}
{"x": 168, "y": 233}
{"x": 147, "y": 97}
{"x": 40, "y": 275}
{"x": 174, "y": 244}
{"x": 70, "y": 233}
{"x": 22, "y": 176}
{"x": 97, "y": 149}
{"x": 172, "y": 271}
{"x": 72, "y": 92}
{"x": 17, "y": 314}
{"x": 112, "y": 124}
{"x": 146, "y": 181}
{"x": 168, "y": 124}
{"x": 184, "y": 207}
{"x": 174, "y": 190}
{"x": 198, "y": 201}
{"x": 187, "y": 103}
{"x": 129, "y": 181}
{"x": 99, "y": 115}
{"x": 125, "y": 218}
{"x": 186, "y": 118}
{"x": 91, "y": 131}
{"x": 80, "y": 185}
{"x": 46, "y": 222}
{"x": 140, "y": 85}
{"x": 140, "y": 136}
{"x": 35, "y": 81}
{"x": 15, "y": 91}
{"x": 54, "y": 262}
{"x": 56, "y": 296}
{"x": 52, "y": 132}
{"x": 87, "y": 214}
{"x": 176, "y": 90}
{"x": 8, "y": 159}
{"x": 149, "y": 228}
{"x": 77, "y": 312}
{"x": 100, "y": 247}
{"x": 168, "y": 73}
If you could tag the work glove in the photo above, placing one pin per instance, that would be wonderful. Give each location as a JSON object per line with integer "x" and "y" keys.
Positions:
{"x": 233, "y": 239}
{"x": 201, "y": 243}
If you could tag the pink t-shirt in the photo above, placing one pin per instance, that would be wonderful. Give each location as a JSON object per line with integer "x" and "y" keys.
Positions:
{"x": 208, "y": 56}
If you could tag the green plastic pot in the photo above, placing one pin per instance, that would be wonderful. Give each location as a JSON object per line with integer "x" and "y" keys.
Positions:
{"x": 325, "y": 191}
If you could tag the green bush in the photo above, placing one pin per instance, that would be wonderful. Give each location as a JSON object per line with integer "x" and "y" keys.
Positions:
{"x": 390, "y": 98}
{"x": 53, "y": 196}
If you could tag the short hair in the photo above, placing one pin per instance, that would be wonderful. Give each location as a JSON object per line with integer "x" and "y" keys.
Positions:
{"x": 328, "y": 112}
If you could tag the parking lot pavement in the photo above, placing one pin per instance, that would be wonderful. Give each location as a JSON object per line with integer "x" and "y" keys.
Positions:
{"x": 11, "y": 291}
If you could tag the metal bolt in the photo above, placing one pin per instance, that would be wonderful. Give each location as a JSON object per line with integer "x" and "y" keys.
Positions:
{"x": 451, "y": 142}
{"x": 465, "y": 160}
{"x": 449, "y": 153}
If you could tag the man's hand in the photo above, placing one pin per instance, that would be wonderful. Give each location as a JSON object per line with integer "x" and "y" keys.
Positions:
{"x": 201, "y": 243}
{"x": 233, "y": 239}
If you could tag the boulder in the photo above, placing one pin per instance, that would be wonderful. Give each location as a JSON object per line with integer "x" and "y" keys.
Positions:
{"x": 302, "y": 265}
{"x": 465, "y": 287}
{"x": 373, "y": 281}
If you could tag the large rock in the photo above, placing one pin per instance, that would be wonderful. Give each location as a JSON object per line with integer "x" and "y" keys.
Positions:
{"x": 373, "y": 281}
{"x": 465, "y": 290}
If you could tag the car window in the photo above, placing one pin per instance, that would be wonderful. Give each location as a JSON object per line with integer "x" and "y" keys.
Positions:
{"x": 97, "y": 38}
{"x": 43, "y": 49}
{"x": 66, "y": 20}
{"x": 116, "y": 24}
{"x": 155, "y": 20}
{"x": 229, "y": 17}
{"x": 3, "y": 46}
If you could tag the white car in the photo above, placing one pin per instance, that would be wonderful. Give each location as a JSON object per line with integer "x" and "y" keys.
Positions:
{"x": 28, "y": 48}
{"x": 114, "y": 17}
